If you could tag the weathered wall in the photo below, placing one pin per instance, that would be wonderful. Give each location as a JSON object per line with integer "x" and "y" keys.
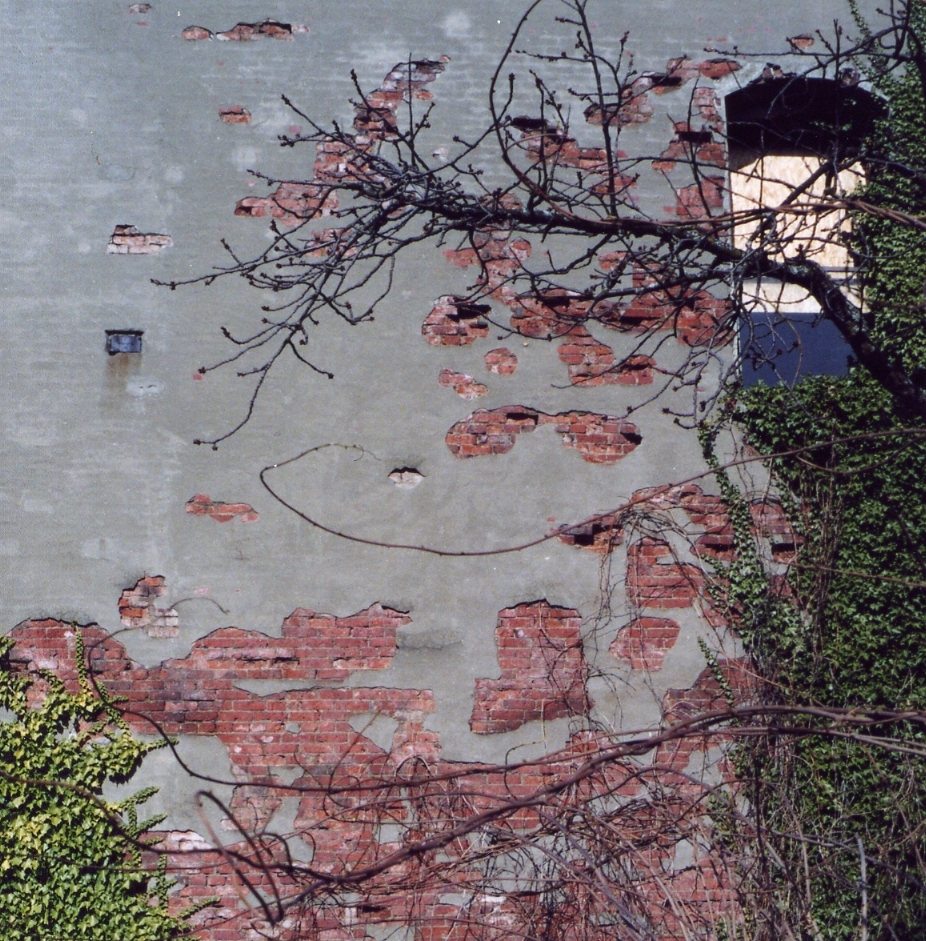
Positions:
{"x": 110, "y": 515}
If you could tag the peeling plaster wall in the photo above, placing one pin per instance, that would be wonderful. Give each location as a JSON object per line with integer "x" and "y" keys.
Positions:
{"x": 126, "y": 149}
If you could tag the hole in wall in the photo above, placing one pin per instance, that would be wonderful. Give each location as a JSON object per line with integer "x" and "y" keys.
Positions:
{"x": 662, "y": 80}
{"x": 695, "y": 137}
{"x": 123, "y": 341}
{"x": 406, "y": 478}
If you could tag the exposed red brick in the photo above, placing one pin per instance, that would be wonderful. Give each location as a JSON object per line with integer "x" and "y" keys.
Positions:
{"x": 465, "y": 386}
{"x": 490, "y": 431}
{"x": 498, "y": 257}
{"x": 633, "y": 107}
{"x": 186, "y": 693}
{"x": 703, "y": 509}
{"x": 600, "y": 439}
{"x": 543, "y": 676}
{"x": 706, "y": 694}
{"x": 376, "y": 116}
{"x": 704, "y": 320}
{"x": 502, "y": 361}
{"x": 328, "y": 242}
{"x": 137, "y": 608}
{"x": 654, "y": 582}
{"x": 644, "y": 642}
{"x": 608, "y": 261}
{"x": 804, "y": 41}
{"x": 552, "y": 147}
{"x": 245, "y": 32}
{"x": 291, "y": 204}
{"x": 718, "y": 68}
{"x": 196, "y": 32}
{"x": 678, "y": 72}
{"x": 335, "y": 161}
{"x": 411, "y": 77}
{"x": 543, "y": 669}
{"x": 771, "y": 524}
{"x": 705, "y": 102}
{"x": 698, "y": 200}
{"x": 235, "y": 114}
{"x": 454, "y": 321}
{"x": 201, "y": 504}
{"x": 592, "y": 363}
{"x": 598, "y": 534}
{"x": 697, "y": 318}
{"x": 690, "y": 145}
{"x": 556, "y": 313}
{"x": 128, "y": 240}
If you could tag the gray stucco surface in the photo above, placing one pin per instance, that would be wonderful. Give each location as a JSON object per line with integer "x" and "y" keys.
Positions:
{"x": 111, "y": 118}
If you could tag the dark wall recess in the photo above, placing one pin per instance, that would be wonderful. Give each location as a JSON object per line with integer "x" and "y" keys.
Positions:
{"x": 123, "y": 341}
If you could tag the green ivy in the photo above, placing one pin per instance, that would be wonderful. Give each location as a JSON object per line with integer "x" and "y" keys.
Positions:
{"x": 851, "y": 630}
{"x": 71, "y": 865}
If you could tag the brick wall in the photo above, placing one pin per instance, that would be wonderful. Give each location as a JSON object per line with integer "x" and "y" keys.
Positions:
{"x": 600, "y": 439}
{"x": 358, "y": 795}
{"x": 309, "y": 746}
{"x": 543, "y": 670}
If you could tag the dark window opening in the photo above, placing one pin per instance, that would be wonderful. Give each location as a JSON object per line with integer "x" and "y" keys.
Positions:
{"x": 799, "y": 115}
{"x": 123, "y": 341}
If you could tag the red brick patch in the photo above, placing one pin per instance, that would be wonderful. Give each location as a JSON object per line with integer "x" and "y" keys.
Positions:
{"x": 543, "y": 670}
{"x": 655, "y": 582}
{"x": 600, "y": 439}
{"x": 555, "y": 313}
{"x": 698, "y": 318}
{"x": 128, "y": 240}
{"x": 592, "y": 363}
{"x": 771, "y": 524}
{"x": 598, "y": 534}
{"x": 201, "y": 504}
{"x": 699, "y": 200}
{"x": 137, "y": 608}
{"x": 246, "y": 32}
{"x": 633, "y": 107}
{"x": 644, "y": 642}
{"x": 291, "y": 204}
{"x": 465, "y": 386}
{"x": 374, "y": 121}
{"x": 235, "y": 114}
{"x": 502, "y": 361}
{"x": 196, "y": 32}
{"x": 454, "y": 321}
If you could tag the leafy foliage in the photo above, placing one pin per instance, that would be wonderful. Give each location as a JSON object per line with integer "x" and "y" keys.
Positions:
{"x": 850, "y": 629}
{"x": 892, "y": 253}
{"x": 71, "y": 865}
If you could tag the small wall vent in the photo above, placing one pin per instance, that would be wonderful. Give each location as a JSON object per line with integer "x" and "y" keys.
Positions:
{"x": 123, "y": 341}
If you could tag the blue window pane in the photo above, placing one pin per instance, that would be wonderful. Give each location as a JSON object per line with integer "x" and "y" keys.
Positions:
{"x": 778, "y": 350}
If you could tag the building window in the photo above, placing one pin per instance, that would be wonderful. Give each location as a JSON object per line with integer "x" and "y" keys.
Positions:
{"x": 784, "y": 133}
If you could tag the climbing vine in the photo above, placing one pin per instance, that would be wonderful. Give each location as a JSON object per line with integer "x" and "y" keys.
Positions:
{"x": 72, "y": 865}
{"x": 844, "y": 625}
